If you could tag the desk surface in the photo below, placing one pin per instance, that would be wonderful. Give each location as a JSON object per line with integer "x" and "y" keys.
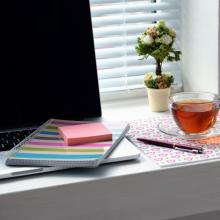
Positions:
{"x": 131, "y": 184}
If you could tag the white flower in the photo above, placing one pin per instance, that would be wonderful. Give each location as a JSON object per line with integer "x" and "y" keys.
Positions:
{"x": 140, "y": 36}
{"x": 166, "y": 39}
{"x": 157, "y": 40}
{"x": 172, "y": 33}
{"x": 154, "y": 77}
{"x": 148, "y": 76}
{"x": 147, "y": 39}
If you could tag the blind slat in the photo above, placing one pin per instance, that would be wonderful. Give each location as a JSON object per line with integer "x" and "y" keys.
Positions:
{"x": 136, "y": 70}
{"x": 120, "y": 51}
{"x": 141, "y": 6}
{"x": 119, "y": 62}
{"x": 126, "y": 61}
{"x": 110, "y": 42}
{"x": 109, "y": 2}
{"x": 129, "y": 29}
{"x": 119, "y": 83}
{"x": 133, "y": 18}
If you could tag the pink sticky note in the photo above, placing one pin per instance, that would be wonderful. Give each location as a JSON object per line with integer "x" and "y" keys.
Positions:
{"x": 85, "y": 133}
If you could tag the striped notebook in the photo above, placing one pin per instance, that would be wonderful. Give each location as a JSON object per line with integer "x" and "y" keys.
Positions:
{"x": 45, "y": 147}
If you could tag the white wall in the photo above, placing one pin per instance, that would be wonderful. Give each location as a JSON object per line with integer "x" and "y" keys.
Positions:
{"x": 200, "y": 45}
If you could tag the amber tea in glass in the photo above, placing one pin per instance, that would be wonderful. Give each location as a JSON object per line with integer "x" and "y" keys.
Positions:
{"x": 196, "y": 112}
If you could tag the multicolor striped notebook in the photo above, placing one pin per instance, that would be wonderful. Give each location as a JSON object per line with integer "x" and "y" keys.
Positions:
{"x": 45, "y": 147}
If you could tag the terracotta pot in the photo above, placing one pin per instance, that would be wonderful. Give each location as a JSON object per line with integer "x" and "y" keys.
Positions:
{"x": 158, "y": 99}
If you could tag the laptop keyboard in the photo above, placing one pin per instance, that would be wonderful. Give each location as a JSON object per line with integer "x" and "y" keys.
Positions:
{"x": 9, "y": 139}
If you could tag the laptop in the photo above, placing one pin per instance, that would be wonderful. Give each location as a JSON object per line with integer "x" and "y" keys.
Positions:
{"x": 47, "y": 70}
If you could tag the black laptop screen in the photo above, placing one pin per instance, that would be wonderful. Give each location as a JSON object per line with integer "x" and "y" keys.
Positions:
{"x": 47, "y": 65}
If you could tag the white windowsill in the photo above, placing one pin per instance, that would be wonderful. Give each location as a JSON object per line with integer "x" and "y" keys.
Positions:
{"x": 132, "y": 94}
{"x": 128, "y": 109}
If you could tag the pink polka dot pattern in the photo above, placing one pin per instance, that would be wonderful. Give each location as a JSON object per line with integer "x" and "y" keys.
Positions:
{"x": 165, "y": 157}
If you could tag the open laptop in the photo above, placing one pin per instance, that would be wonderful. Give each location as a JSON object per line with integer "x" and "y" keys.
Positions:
{"x": 47, "y": 68}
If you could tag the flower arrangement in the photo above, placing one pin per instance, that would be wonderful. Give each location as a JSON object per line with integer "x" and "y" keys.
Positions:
{"x": 157, "y": 42}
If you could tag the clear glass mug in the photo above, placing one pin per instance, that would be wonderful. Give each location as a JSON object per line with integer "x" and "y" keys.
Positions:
{"x": 195, "y": 112}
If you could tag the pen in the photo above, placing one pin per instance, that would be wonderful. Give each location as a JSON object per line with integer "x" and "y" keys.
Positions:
{"x": 180, "y": 147}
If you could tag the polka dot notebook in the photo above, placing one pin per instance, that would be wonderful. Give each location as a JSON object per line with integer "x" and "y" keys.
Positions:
{"x": 166, "y": 157}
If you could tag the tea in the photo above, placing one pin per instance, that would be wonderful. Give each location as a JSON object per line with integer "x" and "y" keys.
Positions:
{"x": 194, "y": 115}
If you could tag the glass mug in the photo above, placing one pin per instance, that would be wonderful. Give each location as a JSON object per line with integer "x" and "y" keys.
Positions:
{"x": 195, "y": 112}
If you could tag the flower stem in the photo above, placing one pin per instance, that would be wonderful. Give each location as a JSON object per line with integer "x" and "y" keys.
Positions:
{"x": 158, "y": 68}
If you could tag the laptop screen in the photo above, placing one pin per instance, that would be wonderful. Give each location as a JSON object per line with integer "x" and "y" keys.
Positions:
{"x": 47, "y": 65}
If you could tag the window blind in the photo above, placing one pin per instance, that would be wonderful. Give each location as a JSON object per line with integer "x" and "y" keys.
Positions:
{"x": 116, "y": 26}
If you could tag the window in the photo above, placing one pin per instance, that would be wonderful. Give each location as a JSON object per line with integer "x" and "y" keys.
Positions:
{"x": 116, "y": 25}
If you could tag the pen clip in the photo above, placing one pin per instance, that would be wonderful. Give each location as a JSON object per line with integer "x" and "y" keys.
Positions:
{"x": 197, "y": 151}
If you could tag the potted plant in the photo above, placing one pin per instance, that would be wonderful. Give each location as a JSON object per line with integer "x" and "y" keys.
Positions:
{"x": 157, "y": 41}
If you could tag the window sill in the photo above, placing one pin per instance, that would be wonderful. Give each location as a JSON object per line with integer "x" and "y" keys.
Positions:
{"x": 132, "y": 94}
{"x": 128, "y": 109}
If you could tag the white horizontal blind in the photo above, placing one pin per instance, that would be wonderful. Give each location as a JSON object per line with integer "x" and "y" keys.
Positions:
{"x": 116, "y": 26}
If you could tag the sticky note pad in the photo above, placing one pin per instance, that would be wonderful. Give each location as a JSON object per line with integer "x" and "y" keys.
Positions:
{"x": 85, "y": 133}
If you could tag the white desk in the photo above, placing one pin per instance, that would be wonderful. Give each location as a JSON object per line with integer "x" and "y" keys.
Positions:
{"x": 132, "y": 190}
